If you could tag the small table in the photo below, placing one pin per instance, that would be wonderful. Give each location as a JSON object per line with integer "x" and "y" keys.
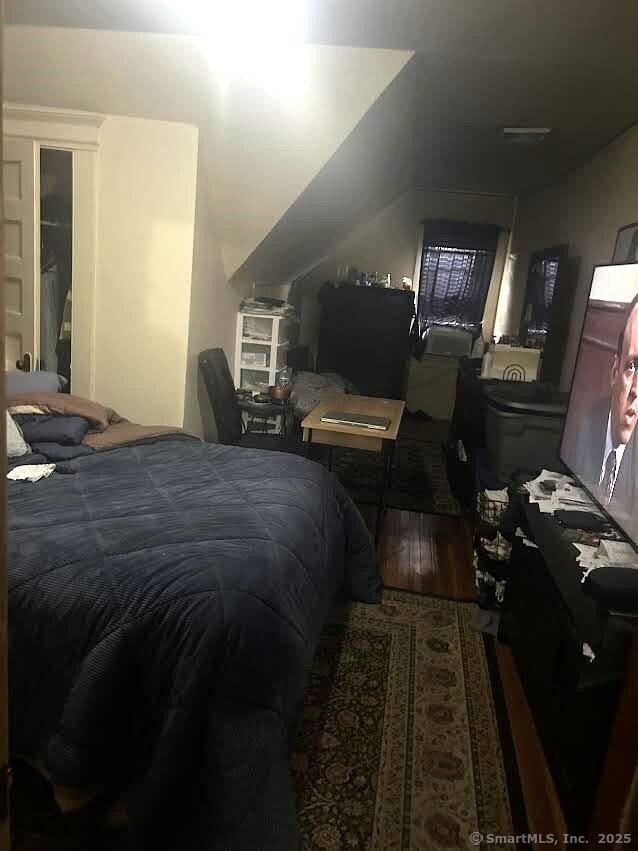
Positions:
{"x": 355, "y": 437}
{"x": 265, "y": 411}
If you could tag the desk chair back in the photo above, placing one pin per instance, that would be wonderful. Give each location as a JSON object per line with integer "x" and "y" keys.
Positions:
{"x": 220, "y": 387}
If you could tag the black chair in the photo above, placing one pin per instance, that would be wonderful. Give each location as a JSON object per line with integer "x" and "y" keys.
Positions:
{"x": 228, "y": 410}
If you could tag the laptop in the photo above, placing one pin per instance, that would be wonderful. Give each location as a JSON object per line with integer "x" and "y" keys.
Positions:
{"x": 358, "y": 420}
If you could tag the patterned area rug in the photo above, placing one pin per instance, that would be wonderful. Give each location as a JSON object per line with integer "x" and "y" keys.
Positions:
{"x": 400, "y": 745}
{"x": 419, "y": 478}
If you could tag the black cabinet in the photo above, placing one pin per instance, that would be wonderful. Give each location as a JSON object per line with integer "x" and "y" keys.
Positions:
{"x": 364, "y": 336}
{"x": 547, "y": 621}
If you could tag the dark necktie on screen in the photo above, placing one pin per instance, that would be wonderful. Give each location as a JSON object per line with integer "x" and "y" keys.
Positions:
{"x": 610, "y": 475}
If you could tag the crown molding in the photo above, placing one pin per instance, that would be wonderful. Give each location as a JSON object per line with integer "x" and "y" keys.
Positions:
{"x": 51, "y": 126}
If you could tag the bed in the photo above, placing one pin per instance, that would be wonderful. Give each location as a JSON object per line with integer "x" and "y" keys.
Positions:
{"x": 166, "y": 599}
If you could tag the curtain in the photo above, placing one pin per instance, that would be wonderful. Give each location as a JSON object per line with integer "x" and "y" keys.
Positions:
{"x": 456, "y": 269}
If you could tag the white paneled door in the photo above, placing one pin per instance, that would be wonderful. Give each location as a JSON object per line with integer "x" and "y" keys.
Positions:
{"x": 19, "y": 176}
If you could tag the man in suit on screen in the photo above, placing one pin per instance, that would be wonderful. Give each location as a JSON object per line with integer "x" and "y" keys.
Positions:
{"x": 605, "y": 446}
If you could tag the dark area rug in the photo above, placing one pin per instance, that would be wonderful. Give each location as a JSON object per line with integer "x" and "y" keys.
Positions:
{"x": 419, "y": 476}
{"x": 403, "y": 742}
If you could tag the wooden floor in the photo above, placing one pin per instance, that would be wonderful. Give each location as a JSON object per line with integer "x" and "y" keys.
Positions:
{"x": 544, "y": 814}
{"x": 432, "y": 554}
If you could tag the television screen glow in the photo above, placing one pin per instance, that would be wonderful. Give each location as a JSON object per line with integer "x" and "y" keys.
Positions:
{"x": 599, "y": 438}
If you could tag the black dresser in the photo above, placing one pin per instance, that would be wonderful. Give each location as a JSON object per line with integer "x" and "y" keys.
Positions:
{"x": 364, "y": 336}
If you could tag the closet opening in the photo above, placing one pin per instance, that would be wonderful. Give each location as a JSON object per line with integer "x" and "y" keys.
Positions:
{"x": 56, "y": 246}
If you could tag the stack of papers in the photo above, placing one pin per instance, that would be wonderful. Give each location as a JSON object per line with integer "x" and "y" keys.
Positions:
{"x": 567, "y": 496}
{"x": 619, "y": 552}
{"x": 572, "y": 496}
{"x": 607, "y": 553}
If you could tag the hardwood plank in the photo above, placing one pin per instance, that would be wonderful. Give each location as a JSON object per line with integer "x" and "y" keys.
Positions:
{"x": 544, "y": 813}
{"x": 427, "y": 553}
{"x": 425, "y": 550}
{"x": 616, "y": 803}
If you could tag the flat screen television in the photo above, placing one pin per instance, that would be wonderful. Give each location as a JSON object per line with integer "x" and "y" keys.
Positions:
{"x": 599, "y": 439}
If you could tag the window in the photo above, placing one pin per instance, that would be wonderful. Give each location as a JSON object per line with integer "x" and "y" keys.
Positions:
{"x": 544, "y": 269}
{"x": 456, "y": 269}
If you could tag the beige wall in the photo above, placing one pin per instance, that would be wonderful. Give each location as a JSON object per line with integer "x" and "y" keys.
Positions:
{"x": 584, "y": 210}
{"x": 146, "y": 75}
{"x": 213, "y": 310}
{"x": 147, "y": 173}
{"x": 389, "y": 242}
{"x": 272, "y": 143}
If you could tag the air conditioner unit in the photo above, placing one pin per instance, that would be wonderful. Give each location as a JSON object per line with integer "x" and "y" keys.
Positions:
{"x": 447, "y": 340}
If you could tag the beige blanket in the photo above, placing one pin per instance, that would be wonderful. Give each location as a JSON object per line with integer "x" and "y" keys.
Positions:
{"x": 108, "y": 428}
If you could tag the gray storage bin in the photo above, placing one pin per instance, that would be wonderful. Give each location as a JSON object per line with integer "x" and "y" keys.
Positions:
{"x": 524, "y": 424}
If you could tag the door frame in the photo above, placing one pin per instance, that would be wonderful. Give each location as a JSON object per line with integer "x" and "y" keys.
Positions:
{"x": 5, "y": 841}
{"x": 23, "y": 264}
{"x": 78, "y": 132}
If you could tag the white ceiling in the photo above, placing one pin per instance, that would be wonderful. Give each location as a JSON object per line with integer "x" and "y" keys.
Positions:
{"x": 567, "y": 64}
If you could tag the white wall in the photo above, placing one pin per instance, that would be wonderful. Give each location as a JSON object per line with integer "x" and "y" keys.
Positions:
{"x": 584, "y": 210}
{"x": 389, "y": 242}
{"x": 147, "y": 177}
{"x": 213, "y": 310}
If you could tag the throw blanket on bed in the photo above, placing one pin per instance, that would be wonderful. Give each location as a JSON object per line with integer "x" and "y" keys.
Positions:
{"x": 106, "y": 427}
{"x": 166, "y": 601}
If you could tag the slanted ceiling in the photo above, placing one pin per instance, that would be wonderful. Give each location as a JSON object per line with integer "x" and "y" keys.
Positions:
{"x": 273, "y": 144}
{"x": 372, "y": 167}
{"x": 478, "y": 66}
{"x": 262, "y": 148}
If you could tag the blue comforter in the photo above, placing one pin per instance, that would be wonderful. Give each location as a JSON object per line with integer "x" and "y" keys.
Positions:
{"x": 166, "y": 600}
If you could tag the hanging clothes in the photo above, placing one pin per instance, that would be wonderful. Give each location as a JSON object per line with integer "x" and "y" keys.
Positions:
{"x": 55, "y": 286}
{"x": 64, "y": 342}
{"x": 65, "y": 329}
{"x": 49, "y": 325}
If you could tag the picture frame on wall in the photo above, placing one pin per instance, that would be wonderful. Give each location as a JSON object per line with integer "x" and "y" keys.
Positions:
{"x": 626, "y": 248}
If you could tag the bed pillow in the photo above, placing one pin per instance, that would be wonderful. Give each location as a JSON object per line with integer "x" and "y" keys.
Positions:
{"x": 58, "y": 452}
{"x": 53, "y": 428}
{"x": 16, "y": 444}
{"x": 17, "y": 381}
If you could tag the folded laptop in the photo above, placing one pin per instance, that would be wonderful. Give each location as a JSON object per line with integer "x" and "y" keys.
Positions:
{"x": 358, "y": 420}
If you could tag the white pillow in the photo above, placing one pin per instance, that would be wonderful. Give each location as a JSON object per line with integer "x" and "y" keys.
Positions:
{"x": 16, "y": 444}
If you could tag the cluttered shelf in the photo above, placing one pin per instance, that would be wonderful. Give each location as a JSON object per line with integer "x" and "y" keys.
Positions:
{"x": 266, "y": 331}
{"x": 536, "y": 569}
{"x": 260, "y": 367}
{"x": 255, "y": 341}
